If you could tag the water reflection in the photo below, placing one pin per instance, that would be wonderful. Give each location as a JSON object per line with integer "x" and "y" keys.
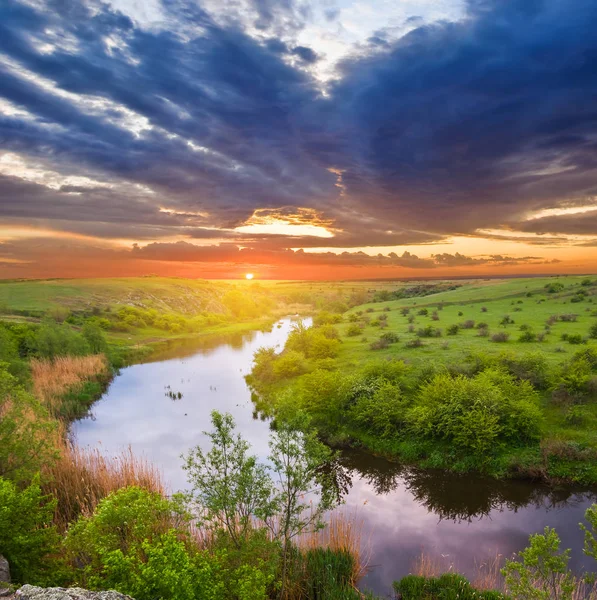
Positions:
{"x": 404, "y": 511}
{"x": 457, "y": 497}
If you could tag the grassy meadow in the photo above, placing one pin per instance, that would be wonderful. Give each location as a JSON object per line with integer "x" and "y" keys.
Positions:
{"x": 492, "y": 376}
{"x": 399, "y": 375}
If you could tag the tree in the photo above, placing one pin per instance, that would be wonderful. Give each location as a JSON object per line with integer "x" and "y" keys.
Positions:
{"x": 95, "y": 337}
{"x": 542, "y": 573}
{"x": 305, "y": 488}
{"x": 228, "y": 482}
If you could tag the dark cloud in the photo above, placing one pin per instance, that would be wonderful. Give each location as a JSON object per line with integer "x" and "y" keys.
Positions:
{"x": 307, "y": 55}
{"x": 448, "y": 129}
{"x": 584, "y": 223}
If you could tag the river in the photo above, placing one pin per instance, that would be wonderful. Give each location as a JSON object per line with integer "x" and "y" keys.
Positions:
{"x": 461, "y": 520}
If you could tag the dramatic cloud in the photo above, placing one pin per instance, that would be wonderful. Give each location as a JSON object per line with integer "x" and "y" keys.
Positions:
{"x": 211, "y": 122}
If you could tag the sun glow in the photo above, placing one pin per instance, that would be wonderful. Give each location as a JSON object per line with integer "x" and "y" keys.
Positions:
{"x": 249, "y": 276}
{"x": 297, "y": 222}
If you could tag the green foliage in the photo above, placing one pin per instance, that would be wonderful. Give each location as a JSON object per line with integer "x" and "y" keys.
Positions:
{"x": 131, "y": 544}
{"x": 476, "y": 415}
{"x": 263, "y": 364}
{"x": 228, "y": 482}
{"x": 28, "y": 540}
{"x": 590, "y": 547}
{"x": 26, "y": 431}
{"x": 541, "y": 573}
{"x": 326, "y": 575}
{"x": 449, "y": 586}
{"x": 95, "y": 337}
{"x": 382, "y": 411}
{"x": 312, "y": 342}
{"x": 52, "y": 340}
{"x": 305, "y": 490}
{"x": 289, "y": 364}
{"x": 353, "y": 330}
{"x": 554, "y": 288}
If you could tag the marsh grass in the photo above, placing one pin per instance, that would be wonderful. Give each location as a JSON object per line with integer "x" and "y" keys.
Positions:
{"x": 68, "y": 385}
{"x": 80, "y": 478}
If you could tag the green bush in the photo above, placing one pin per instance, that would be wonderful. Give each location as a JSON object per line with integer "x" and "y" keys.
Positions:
{"x": 131, "y": 544}
{"x": 449, "y": 586}
{"x": 52, "y": 340}
{"x": 380, "y": 408}
{"x": 28, "y": 540}
{"x": 353, "y": 330}
{"x": 289, "y": 364}
{"x": 479, "y": 414}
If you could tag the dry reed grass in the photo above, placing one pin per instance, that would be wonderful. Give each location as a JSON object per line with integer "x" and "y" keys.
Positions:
{"x": 80, "y": 478}
{"x": 54, "y": 378}
{"x": 343, "y": 532}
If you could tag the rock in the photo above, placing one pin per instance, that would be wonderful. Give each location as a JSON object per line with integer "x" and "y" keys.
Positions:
{"x": 4, "y": 570}
{"x": 5, "y": 593}
{"x": 30, "y": 592}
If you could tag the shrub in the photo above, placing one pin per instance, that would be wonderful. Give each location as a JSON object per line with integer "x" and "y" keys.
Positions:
{"x": 380, "y": 344}
{"x": 423, "y": 312}
{"x": 404, "y": 311}
{"x": 527, "y": 336}
{"x": 390, "y": 337}
{"x": 554, "y": 288}
{"x": 428, "y": 332}
{"x": 453, "y": 329}
{"x": 434, "y": 316}
{"x": 500, "y": 337}
{"x": 576, "y": 415}
{"x": 353, "y": 330}
{"x": 379, "y": 408}
{"x": 542, "y": 570}
{"x": 136, "y": 543}
{"x": 532, "y": 367}
{"x": 289, "y": 364}
{"x": 483, "y": 332}
{"x": 593, "y": 331}
{"x": 484, "y": 309}
{"x": 27, "y": 537}
{"x": 476, "y": 414}
{"x": 575, "y": 338}
{"x": 468, "y": 324}
{"x": 460, "y": 313}
{"x": 506, "y": 320}
{"x": 416, "y": 343}
{"x": 568, "y": 318}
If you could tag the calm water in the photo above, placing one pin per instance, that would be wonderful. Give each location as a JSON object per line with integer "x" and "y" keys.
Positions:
{"x": 462, "y": 520}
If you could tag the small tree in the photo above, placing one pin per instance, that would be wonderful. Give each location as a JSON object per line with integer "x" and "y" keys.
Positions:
{"x": 305, "y": 489}
{"x": 228, "y": 482}
{"x": 542, "y": 573}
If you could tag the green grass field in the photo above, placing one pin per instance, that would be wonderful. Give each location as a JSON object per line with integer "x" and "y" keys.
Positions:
{"x": 499, "y": 298}
{"x": 547, "y": 321}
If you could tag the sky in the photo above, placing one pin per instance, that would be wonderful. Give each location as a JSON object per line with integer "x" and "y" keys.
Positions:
{"x": 298, "y": 139}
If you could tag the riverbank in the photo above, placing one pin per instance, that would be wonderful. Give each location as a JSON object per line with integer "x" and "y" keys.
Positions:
{"x": 497, "y": 378}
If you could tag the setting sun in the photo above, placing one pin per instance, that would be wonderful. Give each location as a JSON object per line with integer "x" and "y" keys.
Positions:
{"x": 249, "y": 276}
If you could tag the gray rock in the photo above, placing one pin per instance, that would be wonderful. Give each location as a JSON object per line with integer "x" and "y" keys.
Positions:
{"x": 30, "y": 592}
{"x": 4, "y": 570}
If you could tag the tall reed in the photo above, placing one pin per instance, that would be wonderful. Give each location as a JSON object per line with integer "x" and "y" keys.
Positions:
{"x": 52, "y": 379}
{"x": 80, "y": 478}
